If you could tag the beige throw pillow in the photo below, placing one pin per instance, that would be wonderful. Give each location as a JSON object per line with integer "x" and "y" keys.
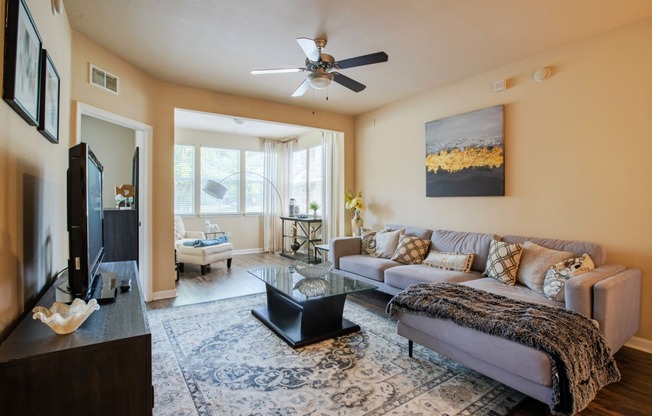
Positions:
{"x": 386, "y": 242}
{"x": 460, "y": 262}
{"x": 535, "y": 262}
{"x": 411, "y": 250}
{"x": 503, "y": 261}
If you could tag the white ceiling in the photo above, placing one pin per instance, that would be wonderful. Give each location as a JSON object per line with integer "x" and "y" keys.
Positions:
{"x": 196, "y": 120}
{"x": 214, "y": 44}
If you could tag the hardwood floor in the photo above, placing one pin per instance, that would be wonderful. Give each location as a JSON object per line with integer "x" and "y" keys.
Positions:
{"x": 629, "y": 397}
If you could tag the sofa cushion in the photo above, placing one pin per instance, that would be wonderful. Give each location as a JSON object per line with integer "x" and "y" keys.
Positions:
{"x": 503, "y": 261}
{"x": 404, "y": 276}
{"x": 460, "y": 262}
{"x": 367, "y": 266}
{"x": 555, "y": 280}
{"x": 597, "y": 252}
{"x": 535, "y": 262}
{"x": 411, "y": 250}
{"x": 463, "y": 242}
{"x": 422, "y": 233}
{"x": 516, "y": 291}
{"x": 386, "y": 242}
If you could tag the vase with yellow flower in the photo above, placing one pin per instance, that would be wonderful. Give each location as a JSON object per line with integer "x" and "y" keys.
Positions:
{"x": 354, "y": 203}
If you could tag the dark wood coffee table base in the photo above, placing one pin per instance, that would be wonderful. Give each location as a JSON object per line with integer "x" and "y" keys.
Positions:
{"x": 306, "y": 322}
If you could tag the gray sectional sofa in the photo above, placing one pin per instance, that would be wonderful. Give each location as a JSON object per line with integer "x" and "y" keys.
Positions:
{"x": 608, "y": 294}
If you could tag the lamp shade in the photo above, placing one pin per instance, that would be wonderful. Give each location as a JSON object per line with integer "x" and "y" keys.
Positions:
{"x": 214, "y": 189}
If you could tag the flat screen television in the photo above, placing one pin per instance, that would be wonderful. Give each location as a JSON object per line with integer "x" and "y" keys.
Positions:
{"x": 85, "y": 221}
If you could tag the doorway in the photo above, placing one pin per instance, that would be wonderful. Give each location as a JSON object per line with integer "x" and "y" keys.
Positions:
{"x": 143, "y": 140}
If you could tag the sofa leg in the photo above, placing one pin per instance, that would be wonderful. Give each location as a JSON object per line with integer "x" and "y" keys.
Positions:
{"x": 410, "y": 347}
{"x": 203, "y": 269}
{"x": 181, "y": 267}
{"x": 228, "y": 263}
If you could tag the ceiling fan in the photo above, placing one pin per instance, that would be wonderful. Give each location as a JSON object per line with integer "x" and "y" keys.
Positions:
{"x": 322, "y": 67}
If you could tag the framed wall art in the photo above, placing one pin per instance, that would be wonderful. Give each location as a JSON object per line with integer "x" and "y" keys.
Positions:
{"x": 49, "y": 101}
{"x": 22, "y": 66}
{"x": 465, "y": 154}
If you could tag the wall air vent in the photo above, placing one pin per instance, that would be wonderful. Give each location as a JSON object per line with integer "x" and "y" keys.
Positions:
{"x": 103, "y": 79}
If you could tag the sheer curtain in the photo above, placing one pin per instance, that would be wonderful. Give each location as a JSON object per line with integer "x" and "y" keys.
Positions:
{"x": 333, "y": 197}
{"x": 278, "y": 169}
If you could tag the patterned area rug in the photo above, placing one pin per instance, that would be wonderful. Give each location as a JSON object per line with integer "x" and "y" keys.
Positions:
{"x": 216, "y": 358}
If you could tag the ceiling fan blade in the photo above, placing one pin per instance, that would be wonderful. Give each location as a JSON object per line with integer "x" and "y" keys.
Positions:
{"x": 309, "y": 48}
{"x": 276, "y": 71}
{"x": 348, "y": 82}
{"x": 372, "y": 58}
{"x": 302, "y": 89}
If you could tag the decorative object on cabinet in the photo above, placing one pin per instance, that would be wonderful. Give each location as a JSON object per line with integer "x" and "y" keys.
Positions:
{"x": 303, "y": 236}
{"x": 49, "y": 100}
{"x": 124, "y": 196}
{"x": 22, "y": 66}
{"x": 64, "y": 319}
{"x": 314, "y": 206}
{"x": 465, "y": 154}
{"x": 356, "y": 223}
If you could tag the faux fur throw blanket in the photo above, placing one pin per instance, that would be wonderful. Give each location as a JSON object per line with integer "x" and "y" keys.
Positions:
{"x": 581, "y": 360}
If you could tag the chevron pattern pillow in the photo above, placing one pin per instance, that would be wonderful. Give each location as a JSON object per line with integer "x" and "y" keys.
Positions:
{"x": 411, "y": 250}
{"x": 503, "y": 261}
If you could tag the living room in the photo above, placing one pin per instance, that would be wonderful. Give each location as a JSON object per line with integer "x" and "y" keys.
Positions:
{"x": 577, "y": 151}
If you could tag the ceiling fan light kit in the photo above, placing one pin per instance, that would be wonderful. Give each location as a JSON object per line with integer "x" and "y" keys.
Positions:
{"x": 321, "y": 67}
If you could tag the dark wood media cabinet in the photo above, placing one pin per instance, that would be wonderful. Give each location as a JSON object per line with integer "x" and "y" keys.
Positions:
{"x": 103, "y": 368}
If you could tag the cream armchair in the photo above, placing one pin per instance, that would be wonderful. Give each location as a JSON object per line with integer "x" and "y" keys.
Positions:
{"x": 203, "y": 256}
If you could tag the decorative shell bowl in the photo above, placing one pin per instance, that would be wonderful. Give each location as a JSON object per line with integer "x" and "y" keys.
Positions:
{"x": 312, "y": 270}
{"x": 64, "y": 319}
{"x": 312, "y": 286}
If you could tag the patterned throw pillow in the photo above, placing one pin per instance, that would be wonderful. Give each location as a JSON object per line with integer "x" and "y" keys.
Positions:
{"x": 368, "y": 242}
{"x": 503, "y": 260}
{"x": 386, "y": 242}
{"x": 411, "y": 250}
{"x": 557, "y": 275}
{"x": 460, "y": 262}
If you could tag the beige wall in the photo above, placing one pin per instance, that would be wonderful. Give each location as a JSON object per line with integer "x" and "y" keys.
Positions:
{"x": 33, "y": 235}
{"x": 114, "y": 146}
{"x": 153, "y": 102}
{"x": 578, "y": 152}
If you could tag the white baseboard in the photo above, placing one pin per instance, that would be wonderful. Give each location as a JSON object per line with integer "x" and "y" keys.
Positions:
{"x": 247, "y": 251}
{"x": 640, "y": 344}
{"x": 165, "y": 294}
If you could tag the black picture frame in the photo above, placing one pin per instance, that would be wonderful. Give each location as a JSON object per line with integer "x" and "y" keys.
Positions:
{"x": 49, "y": 101}
{"x": 22, "y": 66}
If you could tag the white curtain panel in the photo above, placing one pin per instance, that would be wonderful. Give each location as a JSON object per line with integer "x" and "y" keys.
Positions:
{"x": 278, "y": 170}
{"x": 333, "y": 217}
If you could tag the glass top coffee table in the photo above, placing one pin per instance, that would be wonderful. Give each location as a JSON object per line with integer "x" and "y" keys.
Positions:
{"x": 304, "y": 311}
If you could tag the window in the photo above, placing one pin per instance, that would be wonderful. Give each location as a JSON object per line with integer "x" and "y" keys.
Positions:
{"x": 220, "y": 165}
{"x": 184, "y": 173}
{"x": 307, "y": 170}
